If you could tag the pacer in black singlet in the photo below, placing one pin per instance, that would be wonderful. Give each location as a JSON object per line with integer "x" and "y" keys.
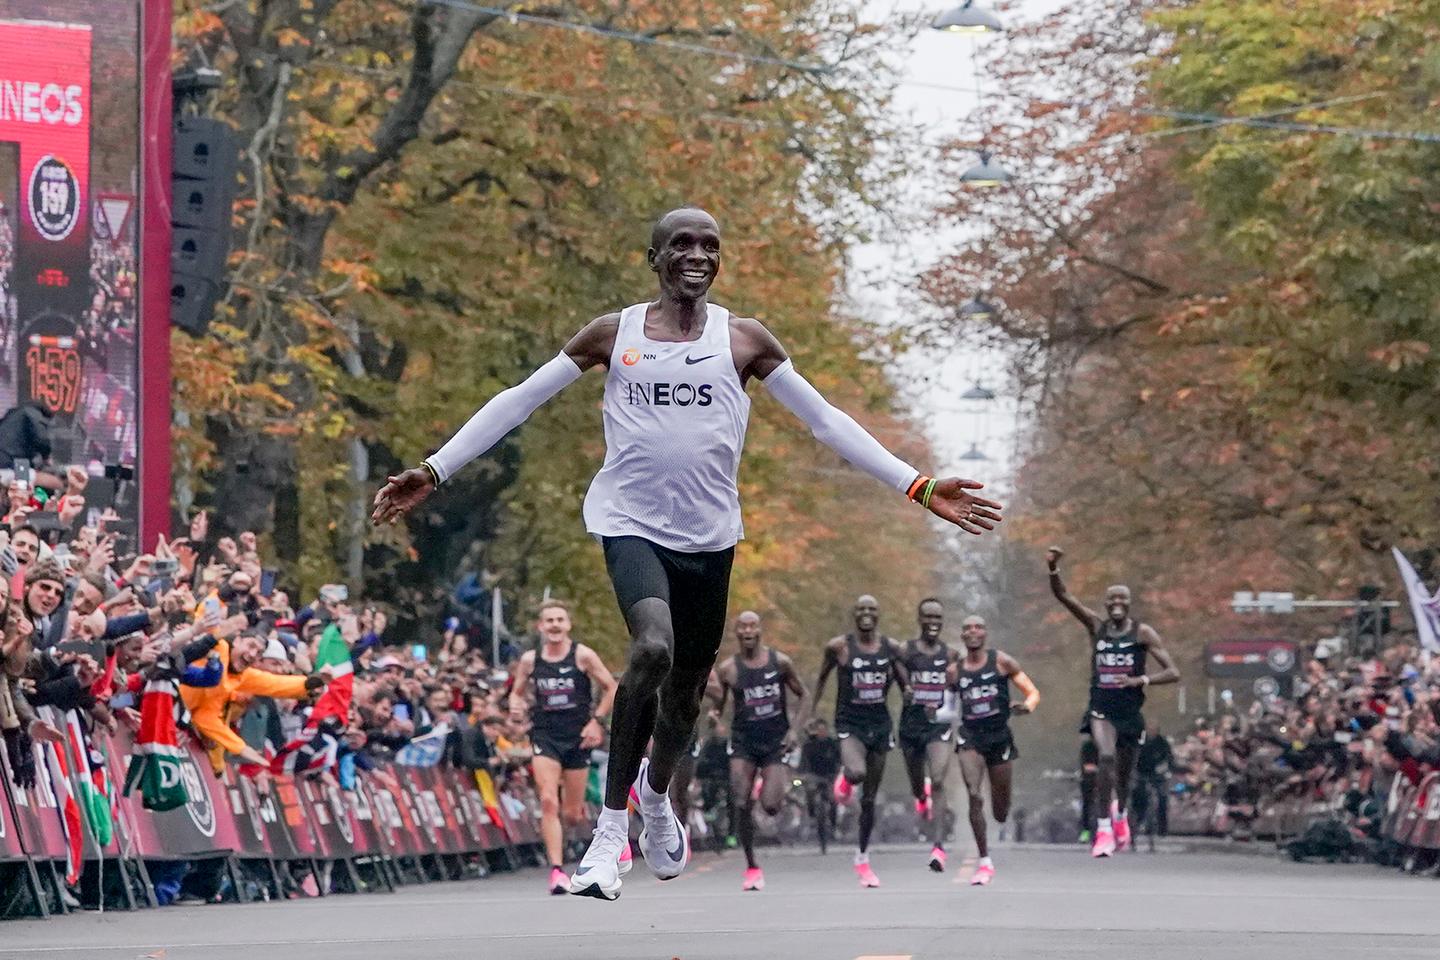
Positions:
{"x": 867, "y": 664}
{"x": 566, "y": 690}
{"x": 562, "y": 708}
{"x": 925, "y": 739}
{"x": 762, "y": 680}
{"x": 986, "y": 748}
{"x": 1119, "y": 649}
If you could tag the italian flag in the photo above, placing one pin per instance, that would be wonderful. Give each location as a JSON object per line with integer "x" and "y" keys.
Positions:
{"x": 334, "y": 653}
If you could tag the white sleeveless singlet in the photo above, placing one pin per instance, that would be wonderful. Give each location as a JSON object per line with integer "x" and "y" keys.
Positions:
{"x": 675, "y": 417}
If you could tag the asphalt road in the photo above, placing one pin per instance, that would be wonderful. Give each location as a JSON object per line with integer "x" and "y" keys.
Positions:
{"x": 1046, "y": 902}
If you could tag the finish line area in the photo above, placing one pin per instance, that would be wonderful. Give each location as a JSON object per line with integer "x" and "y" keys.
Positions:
{"x": 1046, "y": 901}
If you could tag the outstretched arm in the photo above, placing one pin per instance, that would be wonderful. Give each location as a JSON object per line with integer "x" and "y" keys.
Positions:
{"x": 1010, "y": 667}
{"x": 947, "y": 498}
{"x": 1169, "y": 673}
{"x": 1084, "y": 614}
{"x": 828, "y": 663}
{"x": 503, "y": 413}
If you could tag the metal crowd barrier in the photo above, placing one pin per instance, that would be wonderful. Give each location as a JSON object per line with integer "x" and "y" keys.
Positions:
{"x": 413, "y": 825}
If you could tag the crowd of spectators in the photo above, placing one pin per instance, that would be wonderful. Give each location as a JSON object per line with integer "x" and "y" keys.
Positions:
{"x": 1352, "y": 726}
{"x": 85, "y": 626}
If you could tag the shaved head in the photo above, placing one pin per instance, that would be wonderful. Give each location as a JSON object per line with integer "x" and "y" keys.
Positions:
{"x": 686, "y": 216}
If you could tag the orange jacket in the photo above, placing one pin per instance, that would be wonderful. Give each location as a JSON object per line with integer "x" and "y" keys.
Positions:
{"x": 207, "y": 704}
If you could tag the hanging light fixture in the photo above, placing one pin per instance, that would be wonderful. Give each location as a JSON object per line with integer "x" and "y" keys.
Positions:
{"x": 978, "y": 392}
{"x": 985, "y": 173}
{"x": 968, "y": 18}
{"x": 977, "y": 309}
{"x": 974, "y": 453}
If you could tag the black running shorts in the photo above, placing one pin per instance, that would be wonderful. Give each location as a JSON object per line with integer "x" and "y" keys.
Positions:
{"x": 875, "y": 737}
{"x": 996, "y": 746}
{"x": 564, "y": 750}
{"x": 1129, "y": 725}
{"x": 761, "y": 753}
{"x": 696, "y": 587}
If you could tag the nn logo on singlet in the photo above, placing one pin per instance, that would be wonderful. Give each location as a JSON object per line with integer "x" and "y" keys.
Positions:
{"x": 668, "y": 394}
{"x": 633, "y": 356}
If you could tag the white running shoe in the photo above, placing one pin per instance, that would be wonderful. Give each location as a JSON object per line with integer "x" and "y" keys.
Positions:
{"x": 664, "y": 841}
{"x": 599, "y": 872}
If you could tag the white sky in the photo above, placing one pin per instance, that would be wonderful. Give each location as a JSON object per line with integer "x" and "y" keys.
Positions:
{"x": 884, "y": 272}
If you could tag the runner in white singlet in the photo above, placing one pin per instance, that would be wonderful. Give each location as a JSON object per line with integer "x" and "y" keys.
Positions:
{"x": 666, "y": 510}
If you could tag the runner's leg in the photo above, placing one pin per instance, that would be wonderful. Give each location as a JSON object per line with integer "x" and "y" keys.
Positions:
{"x": 915, "y": 771}
{"x": 1126, "y": 753}
{"x": 937, "y": 761}
{"x": 852, "y": 759}
{"x": 874, "y": 773}
{"x": 742, "y": 787}
{"x": 972, "y": 771}
{"x": 643, "y": 590}
{"x": 680, "y": 785}
{"x": 572, "y": 799}
{"x": 776, "y": 779}
{"x": 547, "y": 784}
{"x": 1001, "y": 777}
{"x": 1103, "y": 733}
{"x": 701, "y": 587}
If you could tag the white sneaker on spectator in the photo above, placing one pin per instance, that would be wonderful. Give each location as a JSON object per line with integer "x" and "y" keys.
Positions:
{"x": 664, "y": 841}
{"x": 599, "y": 872}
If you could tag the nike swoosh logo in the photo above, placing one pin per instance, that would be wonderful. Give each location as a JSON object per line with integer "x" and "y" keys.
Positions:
{"x": 771, "y": 676}
{"x": 986, "y": 676}
{"x": 565, "y": 669}
{"x": 689, "y": 359}
{"x": 582, "y": 871}
{"x": 679, "y": 851}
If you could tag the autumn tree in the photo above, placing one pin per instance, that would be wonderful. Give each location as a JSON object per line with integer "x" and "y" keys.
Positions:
{"x": 435, "y": 199}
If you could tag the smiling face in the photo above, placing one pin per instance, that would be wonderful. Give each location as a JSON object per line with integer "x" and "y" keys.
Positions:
{"x": 44, "y": 596}
{"x": 867, "y": 613}
{"x": 1117, "y": 603}
{"x": 931, "y": 617}
{"x": 973, "y": 633}
{"x": 685, "y": 253}
{"x": 748, "y": 632}
{"x": 554, "y": 624}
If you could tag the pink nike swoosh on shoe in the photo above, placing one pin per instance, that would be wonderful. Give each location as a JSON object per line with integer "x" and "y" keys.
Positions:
{"x": 843, "y": 789}
{"x": 1104, "y": 844}
{"x": 754, "y": 879}
{"x": 866, "y": 875}
{"x": 982, "y": 877}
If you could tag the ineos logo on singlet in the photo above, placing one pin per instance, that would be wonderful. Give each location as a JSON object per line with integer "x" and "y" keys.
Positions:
{"x": 669, "y": 394}
{"x": 763, "y": 699}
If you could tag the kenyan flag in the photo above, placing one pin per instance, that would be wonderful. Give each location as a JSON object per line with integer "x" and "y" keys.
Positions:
{"x": 155, "y": 765}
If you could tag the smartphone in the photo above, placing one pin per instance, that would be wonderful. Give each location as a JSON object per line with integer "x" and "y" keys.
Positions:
{"x": 212, "y": 606}
{"x": 165, "y": 566}
{"x": 22, "y": 471}
{"x": 267, "y": 583}
{"x": 402, "y": 711}
{"x": 418, "y": 652}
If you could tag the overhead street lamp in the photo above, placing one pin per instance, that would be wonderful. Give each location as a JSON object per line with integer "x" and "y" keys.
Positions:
{"x": 978, "y": 392}
{"x": 985, "y": 173}
{"x": 968, "y": 18}
{"x": 977, "y": 309}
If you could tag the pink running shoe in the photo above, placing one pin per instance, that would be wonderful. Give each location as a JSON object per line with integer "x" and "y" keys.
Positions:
{"x": 843, "y": 789}
{"x": 1104, "y": 844}
{"x": 756, "y": 787}
{"x": 866, "y": 875}
{"x": 754, "y": 879}
{"x": 982, "y": 877}
{"x": 919, "y": 808}
{"x": 559, "y": 882}
{"x": 937, "y": 860}
{"x": 1122, "y": 832}
{"x": 626, "y": 861}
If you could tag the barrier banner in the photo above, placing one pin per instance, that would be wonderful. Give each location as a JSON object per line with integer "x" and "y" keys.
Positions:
{"x": 304, "y": 843}
{"x": 423, "y": 810}
{"x": 364, "y": 830}
{"x": 480, "y": 828}
{"x": 204, "y": 827}
{"x": 256, "y": 817}
{"x": 391, "y": 827}
{"x": 36, "y": 812}
{"x": 11, "y": 848}
{"x": 1426, "y": 834}
{"x": 330, "y": 818}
